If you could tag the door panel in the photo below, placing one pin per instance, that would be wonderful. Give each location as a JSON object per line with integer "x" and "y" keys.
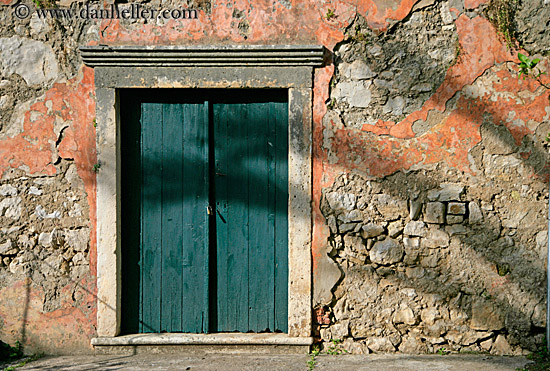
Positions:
{"x": 174, "y": 222}
{"x": 251, "y": 224}
{"x": 186, "y": 271}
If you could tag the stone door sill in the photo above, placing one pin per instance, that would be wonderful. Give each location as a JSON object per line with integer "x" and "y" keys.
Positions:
{"x": 202, "y": 343}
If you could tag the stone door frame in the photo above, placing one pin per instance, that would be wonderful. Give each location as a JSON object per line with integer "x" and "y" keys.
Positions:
{"x": 224, "y": 67}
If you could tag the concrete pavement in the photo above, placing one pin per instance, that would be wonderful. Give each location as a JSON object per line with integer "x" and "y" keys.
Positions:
{"x": 273, "y": 362}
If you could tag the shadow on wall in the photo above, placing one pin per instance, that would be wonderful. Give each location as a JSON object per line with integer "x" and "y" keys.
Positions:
{"x": 435, "y": 256}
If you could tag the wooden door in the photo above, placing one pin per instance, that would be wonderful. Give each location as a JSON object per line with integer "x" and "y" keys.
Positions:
{"x": 204, "y": 211}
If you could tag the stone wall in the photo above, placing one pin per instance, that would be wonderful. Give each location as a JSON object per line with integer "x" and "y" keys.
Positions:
{"x": 437, "y": 240}
{"x": 430, "y": 170}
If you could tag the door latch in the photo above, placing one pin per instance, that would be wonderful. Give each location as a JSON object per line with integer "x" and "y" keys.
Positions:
{"x": 209, "y": 210}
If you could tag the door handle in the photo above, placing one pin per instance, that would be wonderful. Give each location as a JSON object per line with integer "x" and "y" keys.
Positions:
{"x": 209, "y": 210}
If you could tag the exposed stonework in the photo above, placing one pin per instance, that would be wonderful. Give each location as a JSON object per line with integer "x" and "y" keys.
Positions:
{"x": 45, "y": 244}
{"x": 387, "y": 76}
{"x": 532, "y": 20}
{"x": 442, "y": 284}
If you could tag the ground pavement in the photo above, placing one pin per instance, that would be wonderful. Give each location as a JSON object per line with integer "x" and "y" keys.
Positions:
{"x": 273, "y": 362}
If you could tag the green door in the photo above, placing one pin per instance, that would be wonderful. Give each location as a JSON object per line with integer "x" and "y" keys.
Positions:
{"x": 204, "y": 211}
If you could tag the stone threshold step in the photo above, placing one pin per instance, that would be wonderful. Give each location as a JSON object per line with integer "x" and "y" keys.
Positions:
{"x": 202, "y": 343}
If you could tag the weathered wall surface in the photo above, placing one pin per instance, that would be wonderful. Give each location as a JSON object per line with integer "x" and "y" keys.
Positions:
{"x": 433, "y": 186}
{"x": 430, "y": 169}
{"x": 47, "y": 197}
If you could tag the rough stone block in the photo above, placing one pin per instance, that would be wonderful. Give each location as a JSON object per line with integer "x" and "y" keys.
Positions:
{"x": 404, "y": 315}
{"x": 8, "y": 190}
{"x": 486, "y": 344}
{"x": 48, "y": 239}
{"x": 435, "y": 212}
{"x": 388, "y": 251}
{"x": 475, "y": 214}
{"x": 430, "y": 315}
{"x": 352, "y": 216}
{"x": 357, "y": 70}
{"x": 11, "y": 207}
{"x": 391, "y": 208}
{"x": 78, "y": 239}
{"x": 454, "y": 219}
{"x": 415, "y": 228}
{"x": 341, "y": 201}
{"x": 395, "y": 228}
{"x": 456, "y": 229}
{"x": 380, "y": 344}
{"x": 457, "y": 208}
{"x": 430, "y": 261}
{"x": 340, "y": 330}
{"x": 411, "y": 243}
{"x": 355, "y": 244}
{"x": 331, "y": 221}
{"x": 414, "y": 209}
{"x": 446, "y": 192}
{"x": 501, "y": 346}
{"x": 346, "y": 227}
{"x": 6, "y": 246}
{"x": 371, "y": 230}
{"x": 355, "y": 93}
{"x": 33, "y": 60}
{"x": 412, "y": 344}
{"x": 436, "y": 238}
{"x": 41, "y": 213}
{"x": 485, "y": 316}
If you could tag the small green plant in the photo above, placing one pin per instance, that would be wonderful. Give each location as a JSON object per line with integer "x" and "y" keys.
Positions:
{"x": 335, "y": 348}
{"x": 96, "y": 168}
{"x": 528, "y": 67}
{"x": 330, "y": 14}
{"x": 331, "y": 104}
{"x": 442, "y": 351}
{"x": 94, "y": 123}
{"x": 311, "y": 362}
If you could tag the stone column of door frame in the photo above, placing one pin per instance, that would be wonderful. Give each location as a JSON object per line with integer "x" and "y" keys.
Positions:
{"x": 108, "y": 213}
{"x": 298, "y": 81}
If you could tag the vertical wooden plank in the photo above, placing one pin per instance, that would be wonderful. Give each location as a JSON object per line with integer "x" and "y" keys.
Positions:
{"x": 261, "y": 233}
{"x": 280, "y": 116}
{"x": 232, "y": 178}
{"x": 195, "y": 218}
{"x": 221, "y": 180}
{"x": 172, "y": 218}
{"x": 151, "y": 216}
